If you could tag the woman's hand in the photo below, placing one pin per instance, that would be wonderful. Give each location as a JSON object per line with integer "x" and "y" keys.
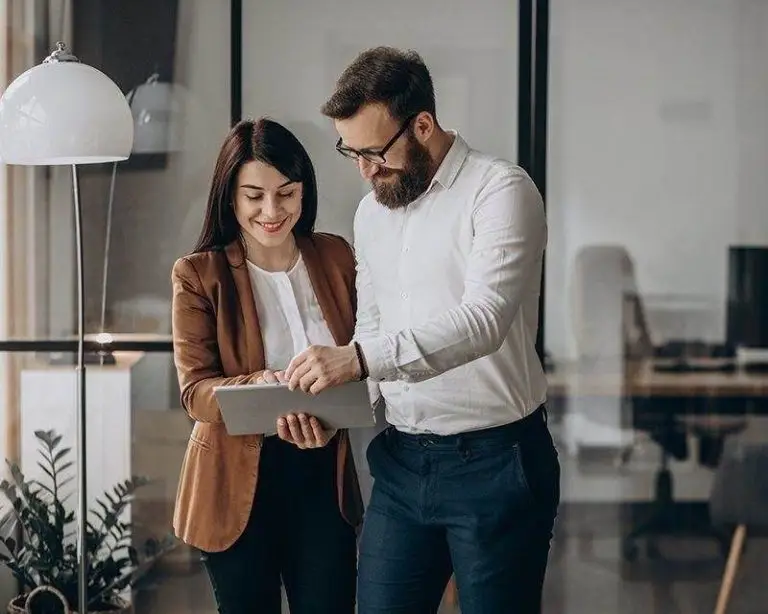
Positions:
{"x": 303, "y": 431}
{"x": 271, "y": 377}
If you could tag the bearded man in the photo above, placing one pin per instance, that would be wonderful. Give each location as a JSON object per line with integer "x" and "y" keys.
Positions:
{"x": 449, "y": 246}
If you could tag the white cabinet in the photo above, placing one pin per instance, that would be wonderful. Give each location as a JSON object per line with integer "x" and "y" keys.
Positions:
{"x": 49, "y": 402}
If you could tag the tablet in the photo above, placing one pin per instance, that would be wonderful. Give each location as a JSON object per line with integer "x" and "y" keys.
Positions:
{"x": 254, "y": 408}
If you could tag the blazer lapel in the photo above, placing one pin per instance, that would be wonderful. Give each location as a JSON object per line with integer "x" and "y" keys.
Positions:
{"x": 322, "y": 288}
{"x": 252, "y": 332}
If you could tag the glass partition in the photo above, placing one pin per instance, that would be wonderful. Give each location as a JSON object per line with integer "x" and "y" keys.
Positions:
{"x": 172, "y": 61}
{"x": 654, "y": 298}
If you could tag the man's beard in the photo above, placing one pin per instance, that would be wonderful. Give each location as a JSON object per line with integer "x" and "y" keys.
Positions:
{"x": 409, "y": 183}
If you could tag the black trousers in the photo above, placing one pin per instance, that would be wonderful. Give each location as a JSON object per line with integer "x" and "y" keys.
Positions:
{"x": 295, "y": 536}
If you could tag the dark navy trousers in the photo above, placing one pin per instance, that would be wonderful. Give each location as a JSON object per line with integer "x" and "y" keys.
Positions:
{"x": 481, "y": 505}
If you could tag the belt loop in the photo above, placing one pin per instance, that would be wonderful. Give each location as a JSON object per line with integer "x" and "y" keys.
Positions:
{"x": 394, "y": 439}
{"x": 463, "y": 448}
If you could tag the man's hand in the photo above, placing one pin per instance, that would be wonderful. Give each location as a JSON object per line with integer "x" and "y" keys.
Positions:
{"x": 320, "y": 367}
{"x": 271, "y": 377}
{"x": 303, "y": 431}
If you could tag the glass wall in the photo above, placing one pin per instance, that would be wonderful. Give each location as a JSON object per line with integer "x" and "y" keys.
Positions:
{"x": 655, "y": 274}
{"x": 172, "y": 60}
{"x": 655, "y": 294}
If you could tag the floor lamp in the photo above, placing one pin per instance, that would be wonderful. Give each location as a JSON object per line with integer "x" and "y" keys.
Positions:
{"x": 65, "y": 113}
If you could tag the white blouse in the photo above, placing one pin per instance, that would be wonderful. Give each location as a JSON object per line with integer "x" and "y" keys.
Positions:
{"x": 289, "y": 314}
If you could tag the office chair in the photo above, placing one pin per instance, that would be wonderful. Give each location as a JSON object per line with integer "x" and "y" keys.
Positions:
{"x": 603, "y": 275}
{"x": 613, "y": 333}
{"x": 660, "y": 418}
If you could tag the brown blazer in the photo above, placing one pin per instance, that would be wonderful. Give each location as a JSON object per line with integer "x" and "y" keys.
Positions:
{"x": 216, "y": 340}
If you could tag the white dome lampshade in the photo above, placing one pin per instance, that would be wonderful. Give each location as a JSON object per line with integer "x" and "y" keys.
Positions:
{"x": 155, "y": 109}
{"x": 62, "y": 112}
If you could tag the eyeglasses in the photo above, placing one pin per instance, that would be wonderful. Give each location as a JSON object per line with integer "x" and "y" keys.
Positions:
{"x": 376, "y": 157}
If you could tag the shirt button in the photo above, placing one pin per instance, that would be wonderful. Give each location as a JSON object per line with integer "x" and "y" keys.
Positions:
{"x": 406, "y": 249}
{"x": 404, "y": 295}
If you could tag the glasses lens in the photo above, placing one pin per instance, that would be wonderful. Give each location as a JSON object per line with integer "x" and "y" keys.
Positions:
{"x": 353, "y": 154}
{"x": 347, "y": 153}
{"x": 373, "y": 157}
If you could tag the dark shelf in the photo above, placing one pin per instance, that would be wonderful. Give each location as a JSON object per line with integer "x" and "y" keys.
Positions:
{"x": 91, "y": 346}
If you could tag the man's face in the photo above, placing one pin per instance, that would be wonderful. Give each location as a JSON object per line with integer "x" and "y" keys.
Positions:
{"x": 407, "y": 168}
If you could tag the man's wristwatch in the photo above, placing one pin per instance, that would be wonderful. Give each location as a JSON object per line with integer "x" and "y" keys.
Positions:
{"x": 361, "y": 361}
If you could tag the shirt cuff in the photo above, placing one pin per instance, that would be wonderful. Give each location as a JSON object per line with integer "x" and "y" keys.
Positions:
{"x": 379, "y": 358}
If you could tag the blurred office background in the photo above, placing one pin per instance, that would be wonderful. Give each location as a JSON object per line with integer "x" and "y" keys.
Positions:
{"x": 644, "y": 123}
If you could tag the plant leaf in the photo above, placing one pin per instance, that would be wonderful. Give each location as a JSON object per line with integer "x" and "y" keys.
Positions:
{"x": 61, "y": 454}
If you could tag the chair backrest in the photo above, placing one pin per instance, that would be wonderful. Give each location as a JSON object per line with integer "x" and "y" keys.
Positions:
{"x": 609, "y": 318}
{"x": 609, "y": 326}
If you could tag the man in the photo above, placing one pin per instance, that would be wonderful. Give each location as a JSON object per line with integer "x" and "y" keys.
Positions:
{"x": 449, "y": 247}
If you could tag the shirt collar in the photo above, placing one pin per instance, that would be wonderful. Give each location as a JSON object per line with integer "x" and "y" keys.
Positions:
{"x": 452, "y": 162}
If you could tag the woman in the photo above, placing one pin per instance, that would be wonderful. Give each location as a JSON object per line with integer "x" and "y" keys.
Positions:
{"x": 259, "y": 288}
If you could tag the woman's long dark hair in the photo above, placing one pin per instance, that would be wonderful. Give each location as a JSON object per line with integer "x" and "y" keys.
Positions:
{"x": 266, "y": 141}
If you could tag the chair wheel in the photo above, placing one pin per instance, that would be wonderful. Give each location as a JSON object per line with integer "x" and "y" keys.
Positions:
{"x": 629, "y": 551}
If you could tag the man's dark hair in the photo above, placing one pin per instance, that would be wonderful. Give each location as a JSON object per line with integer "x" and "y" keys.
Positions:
{"x": 397, "y": 79}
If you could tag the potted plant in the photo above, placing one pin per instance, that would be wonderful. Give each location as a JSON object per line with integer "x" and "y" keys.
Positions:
{"x": 44, "y": 557}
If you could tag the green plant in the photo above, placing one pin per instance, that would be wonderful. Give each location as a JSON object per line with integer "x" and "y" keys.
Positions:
{"x": 46, "y": 553}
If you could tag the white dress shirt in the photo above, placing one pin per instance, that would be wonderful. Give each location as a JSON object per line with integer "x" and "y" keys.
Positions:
{"x": 288, "y": 310}
{"x": 448, "y": 297}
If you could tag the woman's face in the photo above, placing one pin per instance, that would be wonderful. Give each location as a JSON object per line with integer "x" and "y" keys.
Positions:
{"x": 267, "y": 204}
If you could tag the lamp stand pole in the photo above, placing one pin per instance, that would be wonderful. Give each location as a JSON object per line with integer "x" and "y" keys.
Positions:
{"x": 107, "y": 242}
{"x": 82, "y": 498}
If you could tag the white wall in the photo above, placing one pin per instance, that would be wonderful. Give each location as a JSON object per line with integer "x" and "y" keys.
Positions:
{"x": 293, "y": 52}
{"x": 752, "y": 122}
{"x": 658, "y": 141}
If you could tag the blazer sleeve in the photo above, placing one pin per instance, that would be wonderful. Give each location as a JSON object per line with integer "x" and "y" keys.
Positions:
{"x": 195, "y": 346}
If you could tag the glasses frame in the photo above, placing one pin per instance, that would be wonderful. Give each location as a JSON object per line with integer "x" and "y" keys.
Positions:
{"x": 375, "y": 157}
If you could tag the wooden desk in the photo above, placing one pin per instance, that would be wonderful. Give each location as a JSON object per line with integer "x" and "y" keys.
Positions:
{"x": 641, "y": 380}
